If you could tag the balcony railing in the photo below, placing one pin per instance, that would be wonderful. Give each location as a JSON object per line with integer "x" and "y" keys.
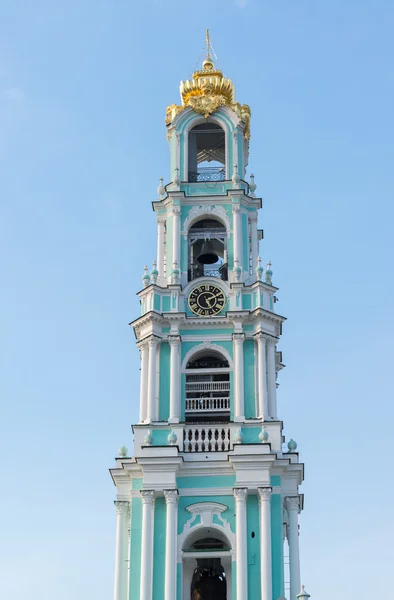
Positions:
{"x": 206, "y": 439}
{"x": 206, "y": 405}
{"x": 208, "y": 174}
{"x": 207, "y": 386}
{"x": 196, "y": 271}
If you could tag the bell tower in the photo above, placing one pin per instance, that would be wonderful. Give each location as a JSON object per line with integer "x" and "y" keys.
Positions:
{"x": 208, "y": 505}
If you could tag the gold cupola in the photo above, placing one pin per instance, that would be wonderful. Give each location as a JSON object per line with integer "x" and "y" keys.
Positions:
{"x": 208, "y": 90}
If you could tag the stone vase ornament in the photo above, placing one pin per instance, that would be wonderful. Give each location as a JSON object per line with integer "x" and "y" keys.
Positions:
{"x": 123, "y": 450}
{"x": 263, "y": 436}
{"x": 172, "y": 438}
{"x": 292, "y": 446}
{"x": 148, "y": 439}
{"x": 238, "y": 437}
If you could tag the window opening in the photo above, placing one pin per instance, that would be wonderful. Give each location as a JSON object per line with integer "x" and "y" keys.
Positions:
{"x": 207, "y": 153}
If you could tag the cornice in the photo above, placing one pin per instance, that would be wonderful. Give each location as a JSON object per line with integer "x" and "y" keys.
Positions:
{"x": 152, "y": 315}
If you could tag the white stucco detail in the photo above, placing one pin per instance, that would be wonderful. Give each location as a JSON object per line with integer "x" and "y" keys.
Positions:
{"x": 203, "y": 347}
{"x": 206, "y": 210}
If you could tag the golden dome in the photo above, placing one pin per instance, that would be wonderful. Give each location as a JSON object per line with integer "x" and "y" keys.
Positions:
{"x": 206, "y": 91}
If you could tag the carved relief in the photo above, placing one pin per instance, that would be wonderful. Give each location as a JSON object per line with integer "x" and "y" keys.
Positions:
{"x": 210, "y": 210}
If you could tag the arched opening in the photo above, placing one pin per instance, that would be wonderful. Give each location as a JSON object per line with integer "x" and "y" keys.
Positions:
{"x": 207, "y": 245}
{"x": 207, "y": 568}
{"x": 207, "y": 153}
{"x": 208, "y": 392}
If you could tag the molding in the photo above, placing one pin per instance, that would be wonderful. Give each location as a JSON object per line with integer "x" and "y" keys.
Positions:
{"x": 206, "y": 346}
{"x": 210, "y": 210}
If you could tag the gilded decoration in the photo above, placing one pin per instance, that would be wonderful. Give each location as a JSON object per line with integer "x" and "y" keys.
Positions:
{"x": 207, "y": 91}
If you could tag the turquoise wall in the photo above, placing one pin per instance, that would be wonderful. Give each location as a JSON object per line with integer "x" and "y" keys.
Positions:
{"x": 164, "y": 382}
{"x": 253, "y": 545}
{"x": 249, "y": 379}
{"x": 245, "y": 242}
{"x": 135, "y": 549}
{"x": 211, "y": 481}
{"x": 277, "y": 546}
{"x": 166, "y": 307}
{"x": 159, "y": 549}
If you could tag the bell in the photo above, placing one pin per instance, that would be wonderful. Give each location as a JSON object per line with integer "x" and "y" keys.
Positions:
{"x": 207, "y": 255}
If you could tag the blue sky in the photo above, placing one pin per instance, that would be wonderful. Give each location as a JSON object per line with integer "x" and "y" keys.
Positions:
{"x": 83, "y": 91}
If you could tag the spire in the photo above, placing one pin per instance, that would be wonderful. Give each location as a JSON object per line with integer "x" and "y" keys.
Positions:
{"x": 208, "y": 43}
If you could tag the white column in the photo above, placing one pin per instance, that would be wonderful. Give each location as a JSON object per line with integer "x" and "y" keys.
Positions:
{"x": 271, "y": 376}
{"x": 240, "y": 495}
{"x": 171, "y": 497}
{"x": 121, "y": 565}
{"x": 174, "y": 341}
{"x": 262, "y": 378}
{"x": 160, "y": 245}
{"x": 237, "y": 227}
{"x": 239, "y": 405}
{"x": 254, "y": 241}
{"x": 292, "y": 506}
{"x": 151, "y": 410}
{"x": 144, "y": 352}
{"x": 265, "y": 542}
{"x": 176, "y": 235}
{"x": 148, "y": 498}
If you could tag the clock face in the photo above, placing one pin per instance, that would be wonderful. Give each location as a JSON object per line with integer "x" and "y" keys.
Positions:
{"x": 206, "y": 300}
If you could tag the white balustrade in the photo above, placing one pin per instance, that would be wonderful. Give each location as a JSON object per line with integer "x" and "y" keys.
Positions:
{"x": 207, "y": 404}
{"x": 206, "y": 439}
{"x": 208, "y": 386}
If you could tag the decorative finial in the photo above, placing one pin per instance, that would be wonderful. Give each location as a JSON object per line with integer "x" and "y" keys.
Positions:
{"x": 161, "y": 190}
{"x": 177, "y": 179}
{"x": 303, "y": 593}
{"x": 252, "y": 185}
{"x": 235, "y": 178}
{"x": 145, "y": 277}
{"x": 263, "y": 436}
{"x": 238, "y": 437}
{"x": 148, "y": 439}
{"x": 123, "y": 451}
{"x": 175, "y": 273}
{"x": 292, "y": 446}
{"x": 154, "y": 272}
{"x": 172, "y": 438}
{"x": 259, "y": 269}
{"x": 237, "y": 271}
{"x": 268, "y": 274}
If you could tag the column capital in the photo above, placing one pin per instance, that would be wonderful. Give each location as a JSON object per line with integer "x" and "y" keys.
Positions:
{"x": 121, "y": 507}
{"x": 253, "y": 217}
{"x": 238, "y": 337}
{"x": 176, "y": 210}
{"x": 292, "y": 503}
{"x": 264, "y": 493}
{"x": 236, "y": 208}
{"x": 143, "y": 344}
{"x": 171, "y": 496}
{"x": 240, "y": 494}
{"x": 153, "y": 340}
{"x": 174, "y": 340}
{"x": 147, "y": 496}
{"x": 161, "y": 219}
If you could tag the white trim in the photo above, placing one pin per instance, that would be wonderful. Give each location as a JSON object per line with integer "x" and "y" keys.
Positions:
{"x": 206, "y": 346}
{"x": 206, "y": 210}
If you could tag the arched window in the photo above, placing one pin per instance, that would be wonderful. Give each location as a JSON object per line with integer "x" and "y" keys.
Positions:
{"x": 207, "y": 388}
{"x": 207, "y": 153}
{"x": 207, "y": 242}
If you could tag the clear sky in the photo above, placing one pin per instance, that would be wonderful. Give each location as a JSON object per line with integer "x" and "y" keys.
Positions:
{"x": 83, "y": 91}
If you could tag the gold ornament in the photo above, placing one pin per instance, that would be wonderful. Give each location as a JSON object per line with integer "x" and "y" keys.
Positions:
{"x": 207, "y": 91}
